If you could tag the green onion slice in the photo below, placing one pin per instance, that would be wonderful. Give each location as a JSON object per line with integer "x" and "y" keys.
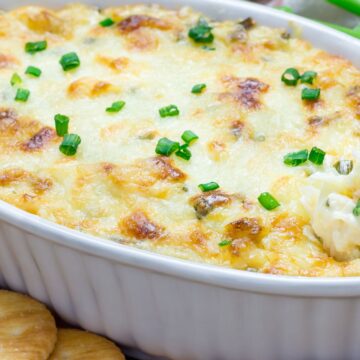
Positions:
{"x": 116, "y": 106}
{"x": 34, "y": 47}
{"x": 15, "y": 79}
{"x": 308, "y": 77}
{"x": 70, "y": 144}
{"x": 296, "y": 158}
{"x": 166, "y": 147}
{"x": 188, "y": 136}
{"x": 317, "y": 156}
{"x": 224, "y": 243}
{"x": 344, "y": 167}
{"x": 22, "y": 95}
{"x": 107, "y": 22}
{"x": 290, "y": 77}
{"x": 209, "y": 186}
{"x": 33, "y": 71}
{"x": 310, "y": 94}
{"x": 171, "y": 110}
{"x": 184, "y": 152}
{"x": 201, "y": 33}
{"x": 198, "y": 88}
{"x": 356, "y": 210}
{"x": 70, "y": 61}
{"x": 61, "y": 124}
{"x": 268, "y": 201}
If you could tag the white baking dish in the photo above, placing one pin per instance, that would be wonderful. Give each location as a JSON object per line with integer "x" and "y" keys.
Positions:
{"x": 177, "y": 309}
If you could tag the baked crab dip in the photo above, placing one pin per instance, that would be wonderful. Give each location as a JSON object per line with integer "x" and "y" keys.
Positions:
{"x": 228, "y": 143}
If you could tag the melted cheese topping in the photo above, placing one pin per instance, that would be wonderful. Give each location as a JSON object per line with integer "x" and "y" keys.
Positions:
{"x": 247, "y": 120}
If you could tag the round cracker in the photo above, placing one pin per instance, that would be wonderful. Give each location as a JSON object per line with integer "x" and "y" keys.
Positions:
{"x": 79, "y": 345}
{"x": 27, "y": 328}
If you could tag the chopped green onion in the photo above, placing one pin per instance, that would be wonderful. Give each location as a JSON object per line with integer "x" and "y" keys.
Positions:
{"x": 224, "y": 243}
{"x": 171, "y": 110}
{"x": 296, "y": 158}
{"x": 69, "y": 61}
{"x": 208, "y": 48}
{"x": 198, "y": 89}
{"x": 61, "y": 124}
{"x": 201, "y": 33}
{"x": 188, "y": 136}
{"x": 317, "y": 156}
{"x": 166, "y": 147}
{"x": 70, "y": 144}
{"x": 22, "y": 95}
{"x": 290, "y": 77}
{"x": 107, "y": 22}
{"x": 184, "y": 152}
{"x": 344, "y": 167}
{"x": 116, "y": 107}
{"x": 34, "y": 47}
{"x": 15, "y": 79}
{"x": 268, "y": 201}
{"x": 356, "y": 210}
{"x": 33, "y": 71}
{"x": 209, "y": 186}
{"x": 308, "y": 77}
{"x": 310, "y": 94}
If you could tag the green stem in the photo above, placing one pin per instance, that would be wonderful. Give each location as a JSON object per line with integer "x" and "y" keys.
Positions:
{"x": 350, "y": 5}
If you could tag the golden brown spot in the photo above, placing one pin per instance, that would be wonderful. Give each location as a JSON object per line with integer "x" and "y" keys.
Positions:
{"x": 142, "y": 40}
{"x": 17, "y": 175}
{"x": 245, "y": 92}
{"x": 139, "y": 226}
{"x": 354, "y": 97}
{"x": 248, "y": 228}
{"x": 287, "y": 224}
{"x": 207, "y": 202}
{"x": 117, "y": 64}
{"x": 7, "y": 61}
{"x": 39, "y": 140}
{"x": 135, "y": 22}
{"x": 90, "y": 87}
{"x": 8, "y": 118}
{"x": 216, "y": 149}
{"x": 237, "y": 128}
{"x": 166, "y": 170}
{"x": 198, "y": 239}
{"x": 313, "y": 105}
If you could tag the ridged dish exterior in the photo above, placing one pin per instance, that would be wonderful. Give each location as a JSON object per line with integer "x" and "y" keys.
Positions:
{"x": 179, "y": 319}
{"x": 170, "y": 313}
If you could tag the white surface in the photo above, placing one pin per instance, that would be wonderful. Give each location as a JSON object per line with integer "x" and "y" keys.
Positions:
{"x": 182, "y": 310}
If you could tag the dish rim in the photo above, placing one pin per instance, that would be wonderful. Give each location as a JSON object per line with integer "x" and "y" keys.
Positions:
{"x": 184, "y": 269}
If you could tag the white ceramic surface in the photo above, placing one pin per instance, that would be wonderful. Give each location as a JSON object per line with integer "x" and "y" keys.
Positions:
{"x": 176, "y": 309}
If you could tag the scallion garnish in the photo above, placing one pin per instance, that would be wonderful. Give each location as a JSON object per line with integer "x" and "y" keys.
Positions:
{"x": 224, "y": 243}
{"x": 171, "y": 110}
{"x": 290, "y": 77}
{"x": 116, "y": 106}
{"x": 308, "y": 77}
{"x": 15, "y": 79}
{"x": 296, "y": 158}
{"x": 70, "y": 61}
{"x": 188, "y": 136}
{"x": 61, "y": 124}
{"x": 201, "y": 33}
{"x": 34, "y": 47}
{"x": 198, "y": 88}
{"x": 356, "y": 210}
{"x": 70, "y": 144}
{"x": 310, "y": 94}
{"x": 166, "y": 147}
{"x": 317, "y": 156}
{"x": 33, "y": 71}
{"x": 268, "y": 201}
{"x": 107, "y": 22}
{"x": 184, "y": 152}
{"x": 344, "y": 167}
{"x": 22, "y": 95}
{"x": 209, "y": 186}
